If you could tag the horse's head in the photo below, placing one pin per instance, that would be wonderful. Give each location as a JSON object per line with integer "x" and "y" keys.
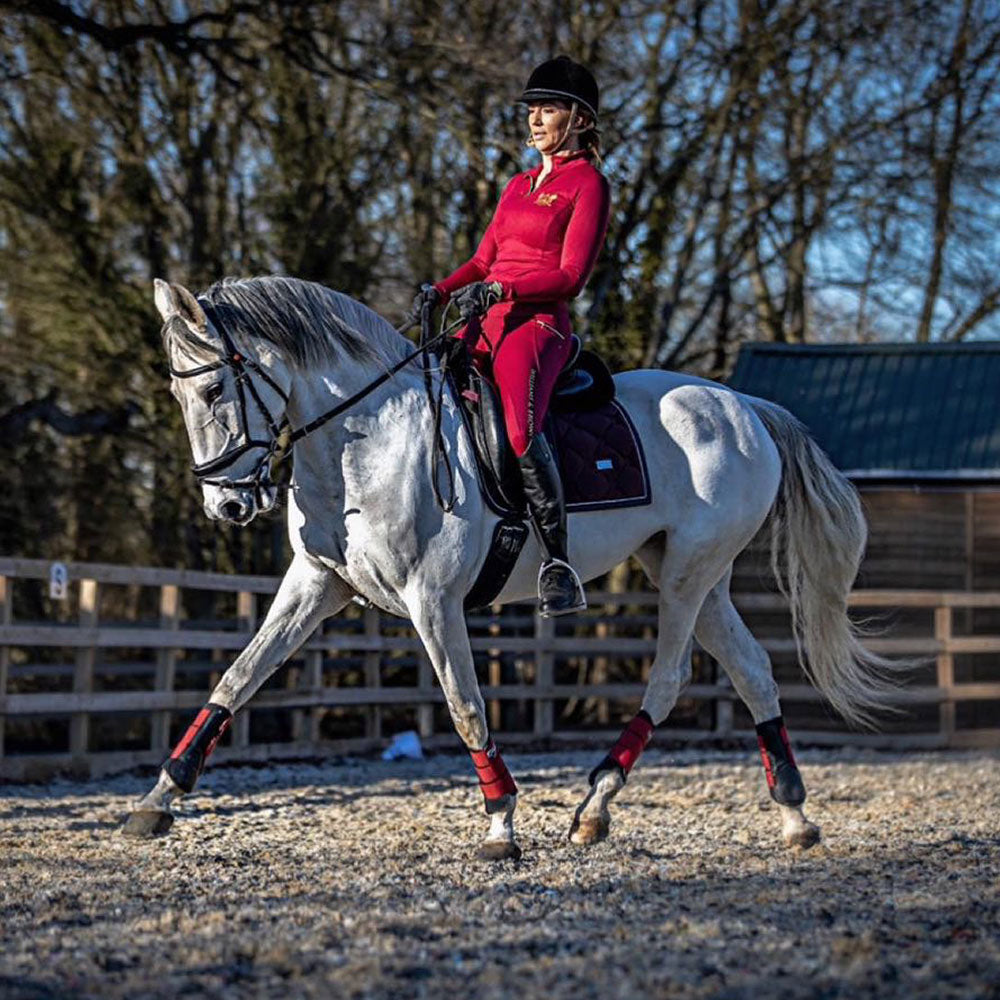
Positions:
{"x": 233, "y": 404}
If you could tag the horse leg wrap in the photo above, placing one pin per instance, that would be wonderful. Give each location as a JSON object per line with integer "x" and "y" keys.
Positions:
{"x": 626, "y": 751}
{"x": 494, "y": 778}
{"x": 783, "y": 779}
{"x": 189, "y": 756}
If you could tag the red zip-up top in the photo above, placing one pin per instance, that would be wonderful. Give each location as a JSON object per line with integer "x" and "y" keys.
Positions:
{"x": 542, "y": 242}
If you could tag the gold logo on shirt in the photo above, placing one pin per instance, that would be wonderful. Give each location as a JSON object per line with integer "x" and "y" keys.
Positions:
{"x": 546, "y": 199}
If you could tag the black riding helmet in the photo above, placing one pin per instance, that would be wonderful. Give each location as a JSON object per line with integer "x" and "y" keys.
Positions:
{"x": 564, "y": 80}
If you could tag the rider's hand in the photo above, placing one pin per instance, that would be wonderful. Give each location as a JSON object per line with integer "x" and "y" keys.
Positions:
{"x": 428, "y": 293}
{"x": 475, "y": 299}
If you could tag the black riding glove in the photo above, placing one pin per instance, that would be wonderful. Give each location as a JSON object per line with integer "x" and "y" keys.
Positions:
{"x": 428, "y": 293}
{"x": 475, "y": 299}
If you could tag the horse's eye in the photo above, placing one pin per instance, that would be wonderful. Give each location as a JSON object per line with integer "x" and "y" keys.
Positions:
{"x": 213, "y": 392}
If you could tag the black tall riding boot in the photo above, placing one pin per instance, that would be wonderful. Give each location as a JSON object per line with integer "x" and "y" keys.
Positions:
{"x": 559, "y": 589}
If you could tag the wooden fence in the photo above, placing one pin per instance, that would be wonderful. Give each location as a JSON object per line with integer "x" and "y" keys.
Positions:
{"x": 33, "y": 661}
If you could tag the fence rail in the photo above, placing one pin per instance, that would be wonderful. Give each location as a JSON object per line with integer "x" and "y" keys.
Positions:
{"x": 372, "y": 640}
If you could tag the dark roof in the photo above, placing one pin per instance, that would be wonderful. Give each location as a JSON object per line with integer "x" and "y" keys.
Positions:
{"x": 888, "y": 411}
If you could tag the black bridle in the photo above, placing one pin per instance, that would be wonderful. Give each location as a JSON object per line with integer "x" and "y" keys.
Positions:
{"x": 241, "y": 366}
{"x": 281, "y": 437}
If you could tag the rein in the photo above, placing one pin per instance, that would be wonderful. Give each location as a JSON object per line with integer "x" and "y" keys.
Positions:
{"x": 282, "y": 437}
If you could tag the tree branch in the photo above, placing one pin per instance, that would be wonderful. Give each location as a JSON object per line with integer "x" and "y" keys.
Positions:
{"x": 14, "y": 423}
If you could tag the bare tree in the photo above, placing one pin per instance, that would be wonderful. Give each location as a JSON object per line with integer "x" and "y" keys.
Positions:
{"x": 790, "y": 170}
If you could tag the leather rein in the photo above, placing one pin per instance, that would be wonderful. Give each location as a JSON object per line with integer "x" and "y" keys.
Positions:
{"x": 282, "y": 438}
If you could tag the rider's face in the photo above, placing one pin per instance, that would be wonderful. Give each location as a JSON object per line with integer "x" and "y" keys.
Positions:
{"x": 548, "y": 122}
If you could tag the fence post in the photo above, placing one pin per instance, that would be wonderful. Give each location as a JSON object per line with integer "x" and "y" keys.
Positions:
{"x": 166, "y": 664}
{"x": 295, "y": 680}
{"x": 300, "y": 678}
{"x": 373, "y": 672}
{"x": 83, "y": 673}
{"x": 945, "y": 672}
{"x": 246, "y": 621}
{"x": 314, "y": 683}
{"x": 425, "y": 683}
{"x": 723, "y": 706}
{"x": 599, "y": 675}
{"x": 544, "y": 673}
{"x": 6, "y": 616}
{"x": 494, "y": 674}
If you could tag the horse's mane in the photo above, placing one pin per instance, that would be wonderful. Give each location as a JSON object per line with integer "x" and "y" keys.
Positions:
{"x": 305, "y": 321}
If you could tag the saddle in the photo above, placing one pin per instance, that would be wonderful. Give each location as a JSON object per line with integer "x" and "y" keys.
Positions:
{"x": 596, "y": 446}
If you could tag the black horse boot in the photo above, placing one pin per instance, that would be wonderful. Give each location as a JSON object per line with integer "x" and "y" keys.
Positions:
{"x": 783, "y": 778}
{"x": 559, "y": 589}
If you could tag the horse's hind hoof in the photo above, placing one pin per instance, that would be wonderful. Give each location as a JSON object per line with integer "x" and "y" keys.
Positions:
{"x": 589, "y": 831}
{"x": 805, "y": 836}
{"x": 499, "y": 850}
{"x": 144, "y": 824}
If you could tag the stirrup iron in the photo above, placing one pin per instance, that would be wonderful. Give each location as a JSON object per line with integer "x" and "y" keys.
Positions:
{"x": 566, "y": 595}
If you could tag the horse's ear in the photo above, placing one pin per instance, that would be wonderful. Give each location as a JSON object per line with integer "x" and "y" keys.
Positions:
{"x": 176, "y": 300}
{"x": 163, "y": 299}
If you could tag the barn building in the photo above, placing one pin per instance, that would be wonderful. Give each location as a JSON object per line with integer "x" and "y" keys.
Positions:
{"x": 917, "y": 429}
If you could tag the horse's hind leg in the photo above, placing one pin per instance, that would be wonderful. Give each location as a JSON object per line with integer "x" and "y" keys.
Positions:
{"x": 681, "y": 594}
{"x": 724, "y": 635}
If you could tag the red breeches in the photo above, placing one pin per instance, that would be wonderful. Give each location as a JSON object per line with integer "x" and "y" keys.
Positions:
{"x": 523, "y": 350}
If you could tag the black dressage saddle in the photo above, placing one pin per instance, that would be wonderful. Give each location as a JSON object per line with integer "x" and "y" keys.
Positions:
{"x": 584, "y": 385}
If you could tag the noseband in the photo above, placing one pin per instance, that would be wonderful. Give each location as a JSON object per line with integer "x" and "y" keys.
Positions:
{"x": 282, "y": 437}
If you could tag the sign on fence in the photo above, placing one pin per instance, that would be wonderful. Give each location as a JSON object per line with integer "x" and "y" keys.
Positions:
{"x": 58, "y": 581}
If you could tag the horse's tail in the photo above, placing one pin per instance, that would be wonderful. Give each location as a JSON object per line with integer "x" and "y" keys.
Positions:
{"x": 818, "y": 535}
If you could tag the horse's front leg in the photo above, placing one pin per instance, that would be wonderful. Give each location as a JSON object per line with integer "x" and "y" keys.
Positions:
{"x": 440, "y": 623}
{"x": 308, "y": 594}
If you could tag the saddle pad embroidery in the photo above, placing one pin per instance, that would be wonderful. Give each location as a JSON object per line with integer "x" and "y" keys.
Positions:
{"x": 600, "y": 458}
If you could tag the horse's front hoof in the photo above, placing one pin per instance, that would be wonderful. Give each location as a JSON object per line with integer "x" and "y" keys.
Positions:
{"x": 804, "y": 836}
{"x": 144, "y": 824}
{"x": 499, "y": 850}
{"x": 589, "y": 831}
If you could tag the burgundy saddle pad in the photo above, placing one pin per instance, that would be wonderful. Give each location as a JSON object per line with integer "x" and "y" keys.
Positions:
{"x": 600, "y": 458}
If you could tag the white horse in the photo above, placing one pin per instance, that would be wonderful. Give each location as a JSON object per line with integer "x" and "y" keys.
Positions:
{"x": 256, "y": 357}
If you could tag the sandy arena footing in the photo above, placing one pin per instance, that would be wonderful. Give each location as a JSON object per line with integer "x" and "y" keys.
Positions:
{"x": 359, "y": 879}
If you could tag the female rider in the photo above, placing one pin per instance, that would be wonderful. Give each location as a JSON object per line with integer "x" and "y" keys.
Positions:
{"x": 536, "y": 255}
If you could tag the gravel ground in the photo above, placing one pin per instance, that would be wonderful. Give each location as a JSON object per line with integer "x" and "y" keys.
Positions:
{"x": 357, "y": 879}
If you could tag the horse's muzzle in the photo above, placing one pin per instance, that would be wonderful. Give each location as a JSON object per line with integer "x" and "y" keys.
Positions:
{"x": 238, "y": 506}
{"x": 236, "y": 511}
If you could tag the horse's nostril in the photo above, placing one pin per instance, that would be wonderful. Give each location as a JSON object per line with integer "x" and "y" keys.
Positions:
{"x": 232, "y": 510}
